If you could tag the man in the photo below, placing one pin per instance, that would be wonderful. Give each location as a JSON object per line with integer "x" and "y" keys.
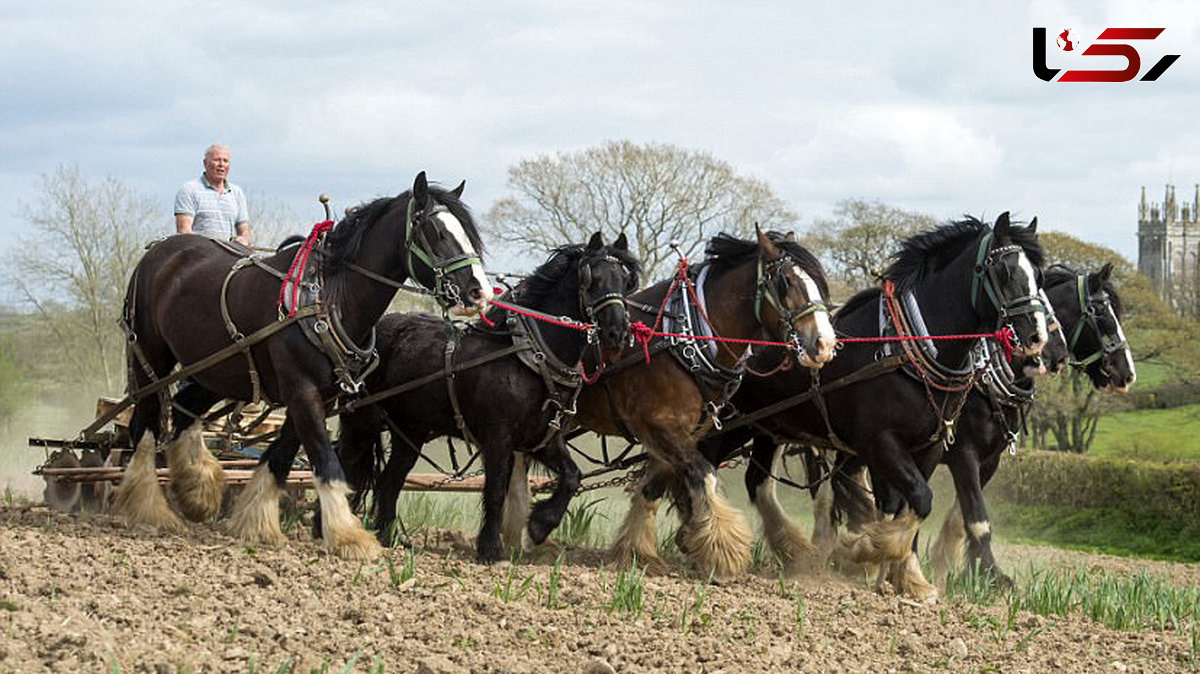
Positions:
{"x": 211, "y": 205}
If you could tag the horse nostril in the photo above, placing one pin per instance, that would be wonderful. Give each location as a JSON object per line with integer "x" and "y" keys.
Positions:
{"x": 476, "y": 294}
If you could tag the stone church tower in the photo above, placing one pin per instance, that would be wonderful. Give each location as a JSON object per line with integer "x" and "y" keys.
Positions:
{"x": 1169, "y": 245}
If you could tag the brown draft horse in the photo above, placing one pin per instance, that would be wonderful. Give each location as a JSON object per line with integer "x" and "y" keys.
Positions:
{"x": 772, "y": 288}
{"x": 191, "y": 296}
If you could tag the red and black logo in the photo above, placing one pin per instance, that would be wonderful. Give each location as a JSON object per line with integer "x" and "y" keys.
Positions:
{"x": 1105, "y": 46}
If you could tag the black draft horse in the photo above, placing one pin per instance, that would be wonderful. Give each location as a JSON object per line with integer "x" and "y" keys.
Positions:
{"x": 769, "y": 288}
{"x": 191, "y": 296}
{"x": 1089, "y": 310}
{"x": 966, "y": 277}
{"x": 509, "y": 406}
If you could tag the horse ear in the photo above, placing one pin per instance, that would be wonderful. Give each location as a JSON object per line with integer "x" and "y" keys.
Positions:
{"x": 621, "y": 243}
{"x": 1002, "y": 226}
{"x": 457, "y": 191}
{"x": 766, "y": 244}
{"x": 1106, "y": 271}
{"x": 420, "y": 190}
{"x": 596, "y": 242}
{"x": 790, "y": 237}
{"x": 1033, "y": 225}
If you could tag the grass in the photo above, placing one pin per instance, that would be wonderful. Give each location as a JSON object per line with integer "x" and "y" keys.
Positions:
{"x": 1135, "y": 601}
{"x": 1107, "y": 530}
{"x": 579, "y": 525}
{"x": 627, "y": 591}
{"x": 1150, "y": 435}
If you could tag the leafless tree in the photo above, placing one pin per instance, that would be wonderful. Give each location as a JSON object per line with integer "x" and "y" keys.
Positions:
{"x": 857, "y": 242}
{"x": 73, "y": 263}
{"x": 654, "y": 193}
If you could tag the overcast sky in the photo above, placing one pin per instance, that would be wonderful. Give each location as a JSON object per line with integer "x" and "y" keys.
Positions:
{"x": 927, "y": 106}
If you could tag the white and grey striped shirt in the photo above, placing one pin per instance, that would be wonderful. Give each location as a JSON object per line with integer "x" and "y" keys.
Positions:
{"x": 214, "y": 213}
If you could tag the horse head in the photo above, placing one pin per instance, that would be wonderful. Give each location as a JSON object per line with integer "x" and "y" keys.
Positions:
{"x": 1005, "y": 274}
{"x": 443, "y": 249}
{"x": 1092, "y": 323}
{"x": 792, "y": 294}
{"x": 607, "y": 273}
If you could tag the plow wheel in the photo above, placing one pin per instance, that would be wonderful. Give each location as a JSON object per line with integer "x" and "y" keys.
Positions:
{"x": 60, "y": 494}
{"x": 92, "y": 495}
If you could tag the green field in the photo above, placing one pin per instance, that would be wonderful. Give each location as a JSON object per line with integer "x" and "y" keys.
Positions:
{"x": 1150, "y": 435}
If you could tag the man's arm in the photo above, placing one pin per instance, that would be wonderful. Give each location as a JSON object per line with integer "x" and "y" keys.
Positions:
{"x": 183, "y": 223}
{"x": 243, "y": 233}
{"x": 242, "y": 224}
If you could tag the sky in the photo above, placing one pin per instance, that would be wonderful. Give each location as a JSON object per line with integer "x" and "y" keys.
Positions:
{"x": 931, "y": 107}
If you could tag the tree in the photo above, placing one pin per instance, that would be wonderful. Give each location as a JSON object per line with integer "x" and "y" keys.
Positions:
{"x": 73, "y": 265}
{"x": 1067, "y": 407}
{"x": 654, "y": 193}
{"x": 857, "y": 242}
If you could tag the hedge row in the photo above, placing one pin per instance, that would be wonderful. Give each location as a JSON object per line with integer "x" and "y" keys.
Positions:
{"x": 1161, "y": 490}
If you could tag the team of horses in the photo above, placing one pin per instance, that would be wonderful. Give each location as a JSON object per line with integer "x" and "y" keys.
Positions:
{"x": 731, "y": 355}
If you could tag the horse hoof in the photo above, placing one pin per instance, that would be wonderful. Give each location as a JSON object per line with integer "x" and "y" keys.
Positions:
{"x": 361, "y": 544}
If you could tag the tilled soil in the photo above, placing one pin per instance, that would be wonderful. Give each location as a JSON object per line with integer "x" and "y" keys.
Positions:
{"x": 89, "y": 594}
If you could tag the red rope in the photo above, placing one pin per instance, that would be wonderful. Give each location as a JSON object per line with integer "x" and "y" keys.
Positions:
{"x": 296, "y": 271}
{"x": 643, "y": 334}
{"x": 560, "y": 322}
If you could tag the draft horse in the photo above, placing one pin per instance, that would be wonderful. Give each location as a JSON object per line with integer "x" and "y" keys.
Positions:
{"x": 880, "y": 404}
{"x": 769, "y": 288}
{"x": 191, "y": 296}
{"x": 505, "y": 385}
{"x": 1089, "y": 310}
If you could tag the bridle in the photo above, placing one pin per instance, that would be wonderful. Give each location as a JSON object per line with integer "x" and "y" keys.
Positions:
{"x": 417, "y": 245}
{"x": 984, "y": 278}
{"x": 766, "y": 290}
{"x": 592, "y": 306}
{"x": 1090, "y": 307}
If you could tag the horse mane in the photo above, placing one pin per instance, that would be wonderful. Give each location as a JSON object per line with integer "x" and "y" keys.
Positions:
{"x": 344, "y": 240}
{"x": 860, "y": 298}
{"x": 1059, "y": 273}
{"x": 546, "y": 281}
{"x": 928, "y": 251}
{"x": 726, "y": 250}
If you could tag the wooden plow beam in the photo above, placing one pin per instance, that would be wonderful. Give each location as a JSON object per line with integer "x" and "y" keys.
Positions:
{"x": 239, "y": 472}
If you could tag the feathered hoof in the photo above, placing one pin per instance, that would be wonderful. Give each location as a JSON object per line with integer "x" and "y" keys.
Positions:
{"x": 907, "y": 579}
{"x": 354, "y": 544}
{"x": 878, "y": 542}
{"x": 197, "y": 479}
{"x": 622, "y": 557}
{"x": 138, "y": 499}
{"x": 798, "y": 556}
{"x": 255, "y": 516}
{"x": 717, "y": 541}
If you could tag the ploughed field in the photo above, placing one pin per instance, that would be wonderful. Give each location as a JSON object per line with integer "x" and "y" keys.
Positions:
{"x": 86, "y": 593}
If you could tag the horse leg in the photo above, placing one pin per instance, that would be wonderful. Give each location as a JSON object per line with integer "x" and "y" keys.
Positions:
{"x": 196, "y": 476}
{"x": 636, "y": 541}
{"x": 139, "y": 499}
{"x": 255, "y": 515}
{"x": 965, "y": 468}
{"x": 786, "y": 539}
{"x": 388, "y": 486}
{"x": 342, "y": 531}
{"x": 713, "y": 534}
{"x": 497, "y": 470}
{"x": 824, "y": 521}
{"x": 549, "y": 512}
{"x": 890, "y": 543}
{"x": 514, "y": 515}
